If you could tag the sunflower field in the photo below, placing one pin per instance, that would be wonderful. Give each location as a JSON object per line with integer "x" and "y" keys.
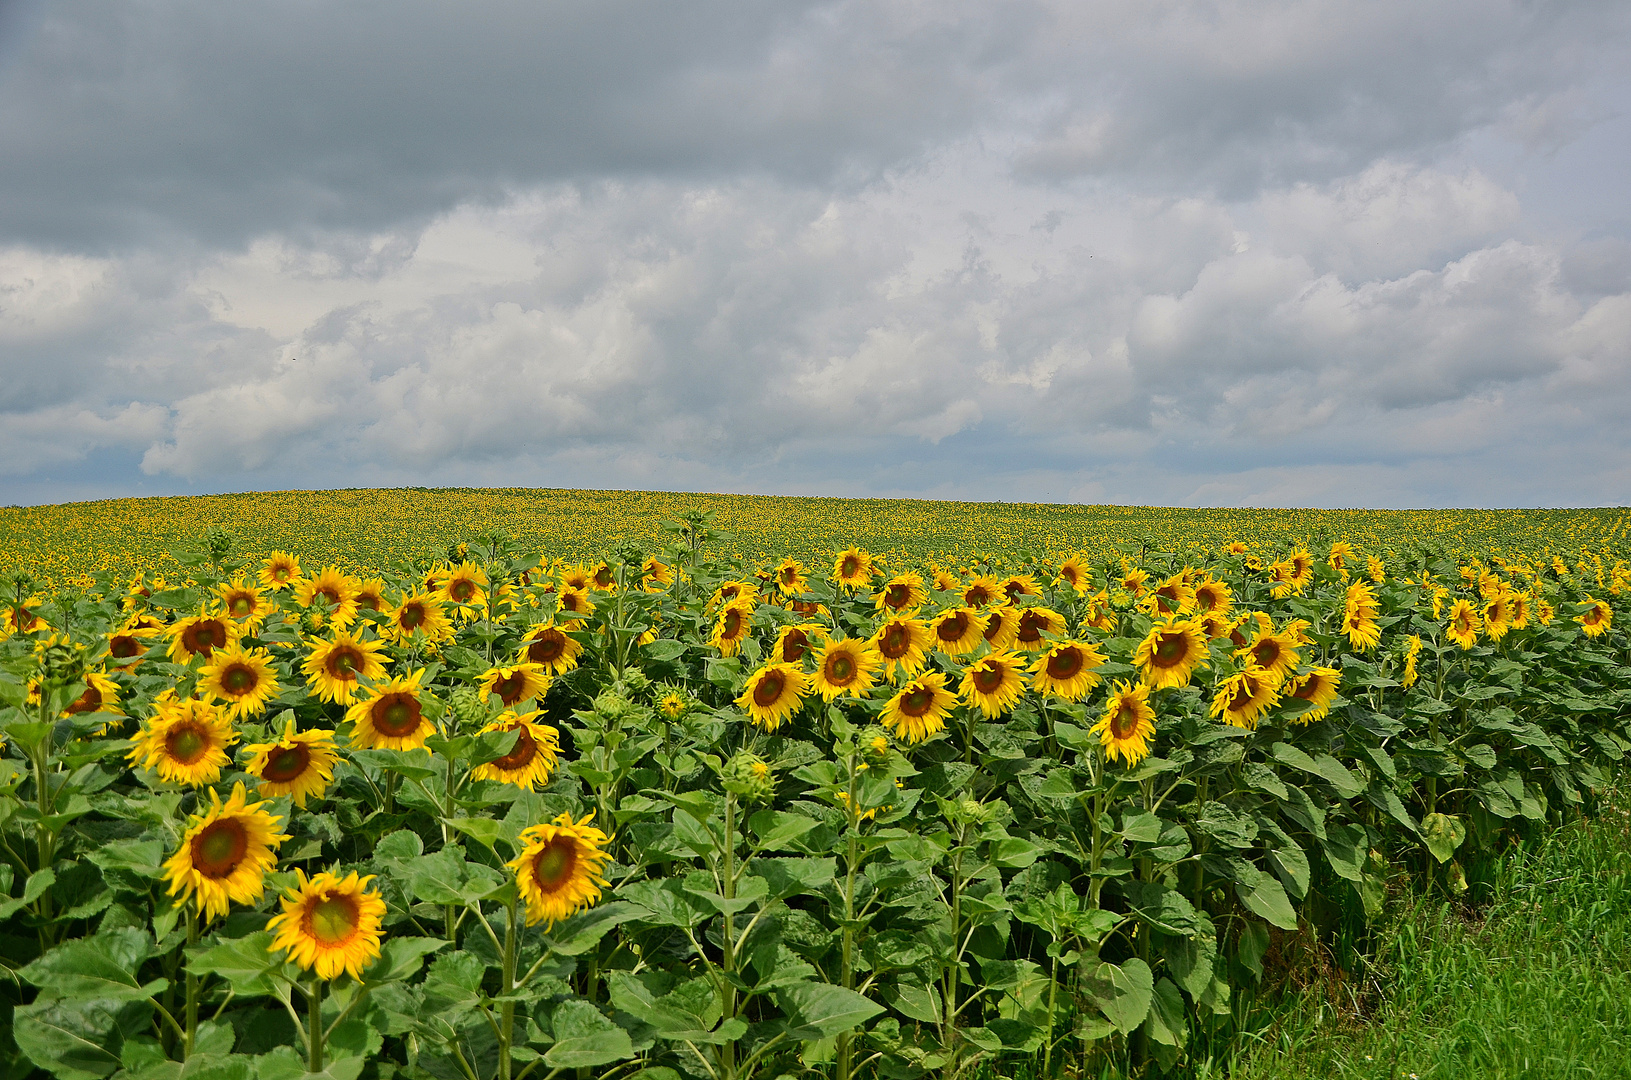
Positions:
{"x": 673, "y": 814}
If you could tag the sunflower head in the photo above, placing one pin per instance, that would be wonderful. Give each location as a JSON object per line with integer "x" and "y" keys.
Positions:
{"x": 920, "y": 708}
{"x": 957, "y": 631}
{"x": 1245, "y": 696}
{"x": 225, "y": 854}
{"x": 902, "y": 593}
{"x": 1065, "y": 670}
{"x": 1128, "y": 724}
{"x": 773, "y": 694}
{"x": 390, "y": 716}
{"x": 515, "y": 684}
{"x": 200, "y": 635}
{"x": 299, "y": 765}
{"x": 901, "y": 643}
{"x": 329, "y": 925}
{"x": 1319, "y": 686}
{"x": 242, "y": 679}
{"x": 852, "y": 568}
{"x": 185, "y": 742}
{"x": 1597, "y": 619}
{"x": 279, "y": 571}
{"x": 995, "y": 683}
{"x": 549, "y": 646}
{"x": 530, "y": 761}
{"x": 336, "y": 669}
{"x": 559, "y": 870}
{"x": 845, "y": 667}
{"x": 1171, "y": 653}
{"x": 1033, "y": 624}
{"x": 419, "y": 613}
{"x": 793, "y": 642}
{"x": 732, "y": 626}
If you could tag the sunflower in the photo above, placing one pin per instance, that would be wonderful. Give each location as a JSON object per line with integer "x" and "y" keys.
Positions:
{"x": 530, "y": 760}
{"x": 790, "y": 576}
{"x": 129, "y": 644}
{"x": 242, "y": 678}
{"x": 920, "y": 709}
{"x": 279, "y": 571}
{"x": 982, "y": 591}
{"x": 1274, "y": 653}
{"x": 1172, "y": 652}
{"x": 371, "y": 595}
{"x": 1375, "y": 568}
{"x": 299, "y": 765}
{"x": 577, "y": 576}
{"x": 853, "y": 568}
{"x": 1015, "y": 586}
{"x": 902, "y": 644}
{"x": 1498, "y": 616}
{"x": 1518, "y": 609}
{"x": 558, "y": 873}
{"x": 1099, "y": 615}
{"x": 329, "y": 925}
{"x": 1543, "y": 610}
{"x": 730, "y": 591}
{"x": 1408, "y": 678}
{"x": 957, "y": 631}
{"x": 465, "y": 585}
{"x": 655, "y": 575}
{"x": 419, "y": 613}
{"x": 732, "y": 627}
{"x": 1245, "y": 696}
{"x": 994, "y": 683}
{"x": 200, "y": 635}
{"x": 1359, "y": 617}
{"x": 1597, "y": 619}
{"x": 101, "y": 696}
{"x": 185, "y": 742}
{"x": 576, "y": 602}
{"x": 1133, "y": 580}
{"x": 335, "y": 668}
{"x": 901, "y": 593}
{"x": 603, "y": 578}
{"x": 549, "y": 645}
{"x": 792, "y": 642}
{"x": 225, "y": 854}
{"x": 1074, "y": 572}
{"x": 1235, "y": 547}
{"x": 1173, "y": 596}
{"x": 1066, "y": 670}
{"x": 244, "y": 603}
{"x": 1216, "y": 626}
{"x": 1464, "y": 624}
{"x": 1302, "y": 567}
{"x": 773, "y": 694}
{"x": 1001, "y": 627}
{"x": 1214, "y": 597}
{"x": 337, "y": 592}
{"x": 1032, "y": 624}
{"x": 848, "y": 667}
{"x": 390, "y": 716}
{"x": 1283, "y": 575}
{"x": 1319, "y": 685}
{"x": 1128, "y": 724}
{"x": 945, "y": 581}
{"x": 1342, "y": 555}
{"x": 513, "y": 685}
{"x": 1490, "y": 584}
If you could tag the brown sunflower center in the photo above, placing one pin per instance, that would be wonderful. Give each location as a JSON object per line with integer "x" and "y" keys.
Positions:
{"x": 123, "y": 646}
{"x": 553, "y": 866}
{"x": 219, "y": 847}
{"x": 411, "y": 617}
{"x": 917, "y": 701}
{"x": 368, "y": 600}
{"x": 1266, "y": 653}
{"x": 572, "y": 602}
{"x": 547, "y": 647}
{"x": 89, "y": 701}
{"x": 1030, "y": 627}
{"x": 1206, "y": 599}
{"x": 1307, "y": 688}
{"x": 768, "y": 690}
{"x": 333, "y": 919}
{"x": 187, "y": 743}
{"x": 343, "y": 662}
{"x": 849, "y": 567}
{"x": 521, "y": 754}
{"x": 240, "y": 604}
{"x": 897, "y": 596}
{"x": 461, "y": 589}
{"x": 1065, "y": 663}
{"x": 988, "y": 678}
{"x": 1166, "y": 598}
{"x": 330, "y": 594}
{"x": 1125, "y": 722}
{"x": 896, "y": 642}
{"x": 977, "y": 596}
{"x": 1170, "y": 650}
{"x": 952, "y": 628}
{"x": 1242, "y": 695}
{"x": 239, "y": 679}
{"x": 794, "y": 646}
{"x": 281, "y": 573}
{"x": 993, "y": 627}
{"x": 731, "y": 624}
{"x": 510, "y": 688}
{"x": 840, "y": 668}
{"x": 603, "y": 577}
{"x": 286, "y": 763}
{"x": 789, "y": 575}
{"x": 396, "y": 716}
{"x": 204, "y": 636}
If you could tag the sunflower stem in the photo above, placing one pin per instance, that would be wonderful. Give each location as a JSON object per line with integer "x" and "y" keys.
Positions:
{"x": 191, "y": 1034}
{"x": 506, "y": 1014}
{"x": 314, "y": 1026}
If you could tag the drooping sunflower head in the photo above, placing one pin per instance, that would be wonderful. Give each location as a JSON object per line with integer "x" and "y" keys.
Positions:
{"x": 995, "y": 683}
{"x": 1464, "y": 624}
{"x": 1174, "y": 596}
{"x": 773, "y": 694}
{"x": 200, "y": 635}
{"x": 551, "y": 647}
{"x": 515, "y": 683}
{"x": 732, "y": 626}
{"x": 243, "y": 679}
{"x": 1075, "y": 573}
{"x": 336, "y": 669}
{"x": 331, "y": 592}
{"x": 920, "y": 708}
{"x": 225, "y": 854}
{"x": 901, "y": 643}
{"x": 101, "y": 695}
{"x": 1032, "y": 626}
{"x": 1318, "y": 685}
{"x": 390, "y": 716}
{"x": 279, "y": 571}
{"x": 790, "y": 576}
{"x": 1245, "y": 696}
{"x": 1597, "y": 619}
{"x": 532, "y": 758}
{"x": 1171, "y": 653}
{"x": 185, "y": 742}
{"x": 1498, "y": 616}
{"x": 845, "y": 667}
{"x": 329, "y": 925}
{"x": 902, "y": 593}
{"x": 418, "y": 613}
{"x": 1127, "y": 727}
{"x": 1066, "y": 670}
{"x": 957, "y": 631}
{"x": 1359, "y": 617}
{"x": 559, "y": 870}
{"x": 299, "y": 765}
{"x": 655, "y": 575}
{"x": 575, "y": 603}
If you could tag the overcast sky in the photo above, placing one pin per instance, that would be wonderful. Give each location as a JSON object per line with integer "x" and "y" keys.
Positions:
{"x": 1305, "y": 252}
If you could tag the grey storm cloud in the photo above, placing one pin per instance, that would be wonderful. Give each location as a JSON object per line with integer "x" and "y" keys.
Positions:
{"x": 1180, "y": 253}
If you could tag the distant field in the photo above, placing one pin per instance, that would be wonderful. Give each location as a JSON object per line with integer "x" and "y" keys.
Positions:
{"x": 373, "y": 527}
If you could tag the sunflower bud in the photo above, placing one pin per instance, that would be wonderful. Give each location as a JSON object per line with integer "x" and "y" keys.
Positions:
{"x": 612, "y": 706}
{"x": 61, "y": 663}
{"x": 1121, "y": 600}
{"x": 748, "y": 777}
{"x": 466, "y": 704}
{"x": 636, "y": 680}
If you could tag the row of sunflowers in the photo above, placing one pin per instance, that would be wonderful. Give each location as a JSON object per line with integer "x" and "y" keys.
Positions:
{"x": 668, "y": 814}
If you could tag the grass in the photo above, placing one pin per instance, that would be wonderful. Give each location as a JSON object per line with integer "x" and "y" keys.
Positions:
{"x": 1535, "y": 984}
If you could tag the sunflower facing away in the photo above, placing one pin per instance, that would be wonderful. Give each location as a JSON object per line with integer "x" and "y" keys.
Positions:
{"x": 225, "y": 854}
{"x": 242, "y": 678}
{"x": 901, "y": 593}
{"x": 853, "y": 568}
{"x": 329, "y": 925}
{"x": 299, "y": 765}
{"x": 1597, "y": 619}
{"x": 513, "y": 685}
{"x": 847, "y": 666}
{"x": 1245, "y": 696}
{"x": 1066, "y": 670}
{"x": 1464, "y": 624}
{"x": 901, "y": 643}
{"x": 335, "y": 668}
{"x": 559, "y": 870}
{"x": 1128, "y": 724}
{"x": 101, "y": 695}
{"x": 920, "y": 709}
{"x": 335, "y": 592}
{"x": 1171, "y": 653}
{"x": 994, "y": 683}
{"x": 773, "y": 694}
{"x": 957, "y": 631}
{"x": 1318, "y": 685}
{"x": 279, "y": 571}
{"x": 390, "y": 716}
{"x": 1408, "y": 677}
{"x": 732, "y": 626}
{"x": 185, "y": 742}
{"x": 530, "y": 760}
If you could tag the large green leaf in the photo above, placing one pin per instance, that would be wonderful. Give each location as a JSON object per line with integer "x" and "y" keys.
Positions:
{"x": 584, "y": 1038}
{"x": 1442, "y": 834}
{"x": 820, "y": 1010}
{"x": 1122, "y": 993}
{"x": 401, "y": 958}
{"x": 1268, "y": 898}
{"x": 246, "y": 963}
{"x": 101, "y": 967}
{"x": 77, "y": 1039}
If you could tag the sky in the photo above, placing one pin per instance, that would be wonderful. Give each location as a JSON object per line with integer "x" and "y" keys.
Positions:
{"x": 1268, "y": 253}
